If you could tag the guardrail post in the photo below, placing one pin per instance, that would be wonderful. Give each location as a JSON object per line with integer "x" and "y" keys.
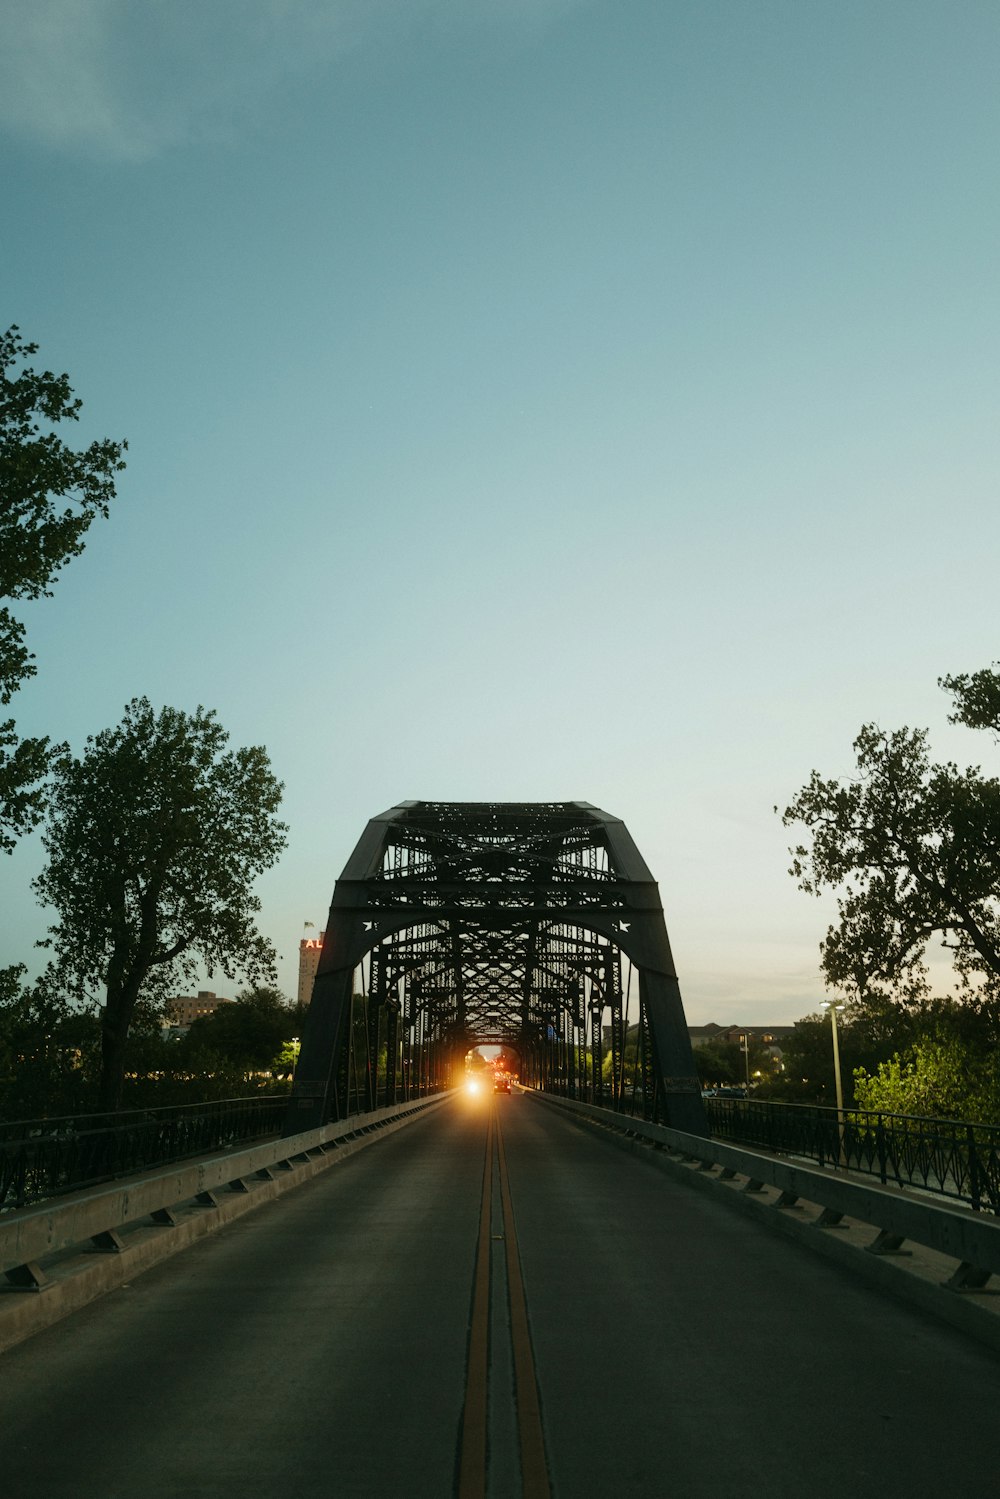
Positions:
{"x": 27, "y": 1277}
{"x": 107, "y": 1242}
{"x": 887, "y": 1243}
{"x": 967, "y": 1277}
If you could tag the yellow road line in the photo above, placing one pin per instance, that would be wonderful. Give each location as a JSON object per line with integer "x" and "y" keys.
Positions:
{"x": 472, "y": 1459}
{"x": 534, "y": 1469}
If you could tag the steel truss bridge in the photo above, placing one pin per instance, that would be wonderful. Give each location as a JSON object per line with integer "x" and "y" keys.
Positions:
{"x": 536, "y": 927}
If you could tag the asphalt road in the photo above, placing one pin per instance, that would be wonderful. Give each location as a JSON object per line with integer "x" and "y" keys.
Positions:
{"x": 321, "y": 1346}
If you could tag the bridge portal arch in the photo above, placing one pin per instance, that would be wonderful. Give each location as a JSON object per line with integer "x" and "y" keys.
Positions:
{"x": 533, "y": 925}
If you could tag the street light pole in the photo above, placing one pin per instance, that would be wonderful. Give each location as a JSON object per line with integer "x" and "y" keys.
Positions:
{"x": 833, "y": 1007}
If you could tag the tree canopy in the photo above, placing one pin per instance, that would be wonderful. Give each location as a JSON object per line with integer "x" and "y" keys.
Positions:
{"x": 49, "y": 495}
{"x": 248, "y": 1031}
{"x": 871, "y": 1030}
{"x": 913, "y": 850}
{"x": 725, "y": 1062}
{"x": 48, "y": 1052}
{"x": 948, "y": 1066}
{"x": 154, "y": 836}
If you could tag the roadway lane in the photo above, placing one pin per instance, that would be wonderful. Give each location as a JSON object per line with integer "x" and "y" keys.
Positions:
{"x": 319, "y": 1346}
{"x": 681, "y": 1351}
{"x": 314, "y": 1348}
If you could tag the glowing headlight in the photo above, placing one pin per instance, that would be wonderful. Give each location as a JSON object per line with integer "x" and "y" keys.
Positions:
{"x": 473, "y": 1085}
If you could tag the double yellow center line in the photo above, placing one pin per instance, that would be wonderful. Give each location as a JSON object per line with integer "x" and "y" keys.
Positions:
{"x": 472, "y": 1456}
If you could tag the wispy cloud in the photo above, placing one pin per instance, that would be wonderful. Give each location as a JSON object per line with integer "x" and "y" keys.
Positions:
{"x": 54, "y": 69}
{"x": 128, "y": 79}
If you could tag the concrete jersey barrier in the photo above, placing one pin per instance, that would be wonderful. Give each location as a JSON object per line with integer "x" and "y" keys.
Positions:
{"x": 69, "y": 1250}
{"x": 972, "y": 1239}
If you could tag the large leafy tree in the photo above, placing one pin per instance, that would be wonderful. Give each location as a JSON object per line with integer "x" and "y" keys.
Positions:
{"x": 949, "y": 1067}
{"x": 49, "y": 495}
{"x": 912, "y": 849}
{"x": 154, "y": 837}
{"x": 248, "y": 1032}
{"x": 49, "y": 1052}
{"x": 870, "y": 1030}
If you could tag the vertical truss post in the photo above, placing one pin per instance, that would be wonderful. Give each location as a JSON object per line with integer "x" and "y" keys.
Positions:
{"x": 613, "y": 991}
{"x": 556, "y": 1051}
{"x": 433, "y": 1051}
{"x": 678, "y": 1094}
{"x": 418, "y": 1053}
{"x": 376, "y": 999}
{"x": 597, "y": 1041}
{"x": 357, "y": 1097}
{"x": 405, "y": 1060}
{"x": 573, "y": 1048}
{"x": 391, "y": 1051}
{"x": 411, "y": 1053}
{"x": 646, "y": 1064}
{"x": 580, "y": 1038}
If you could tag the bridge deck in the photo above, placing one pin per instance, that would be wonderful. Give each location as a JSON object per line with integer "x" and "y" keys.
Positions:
{"x": 322, "y": 1346}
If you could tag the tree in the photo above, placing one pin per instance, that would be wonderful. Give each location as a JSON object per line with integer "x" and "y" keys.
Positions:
{"x": 49, "y": 495}
{"x": 914, "y": 850}
{"x": 977, "y": 699}
{"x": 946, "y": 1065}
{"x": 153, "y": 838}
{"x": 48, "y": 1051}
{"x": 939, "y": 1078}
{"x": 719, "y": 1062}
{"x": 248, "y": 1033}
{"x": 870, "y": 1031}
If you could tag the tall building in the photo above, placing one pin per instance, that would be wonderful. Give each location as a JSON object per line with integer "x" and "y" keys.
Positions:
{"x": 309, "y": 951}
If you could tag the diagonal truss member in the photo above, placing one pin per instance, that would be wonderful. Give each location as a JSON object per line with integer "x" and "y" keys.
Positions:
{"x": 456, "y": 924}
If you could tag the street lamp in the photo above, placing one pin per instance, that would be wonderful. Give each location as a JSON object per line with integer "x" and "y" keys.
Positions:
{"x": 834, "y": 1006}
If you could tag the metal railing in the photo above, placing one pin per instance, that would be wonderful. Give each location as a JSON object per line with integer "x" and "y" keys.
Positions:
{"x": 956, "y": 1160}
{"x": 42, "y": 1158}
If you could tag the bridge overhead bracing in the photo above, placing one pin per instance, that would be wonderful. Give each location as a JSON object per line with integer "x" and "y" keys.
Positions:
{"x": 535, "y": 926}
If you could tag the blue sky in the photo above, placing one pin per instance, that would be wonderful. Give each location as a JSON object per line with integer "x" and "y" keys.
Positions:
{"x": 526, "y": 400}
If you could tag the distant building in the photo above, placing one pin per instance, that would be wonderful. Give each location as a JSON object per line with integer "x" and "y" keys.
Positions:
{"x": 772, "y": 1037}
{"x": 183, "y": 1009}
{"x": 309, "y": 952}
{"x": 701, "y": 1034}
